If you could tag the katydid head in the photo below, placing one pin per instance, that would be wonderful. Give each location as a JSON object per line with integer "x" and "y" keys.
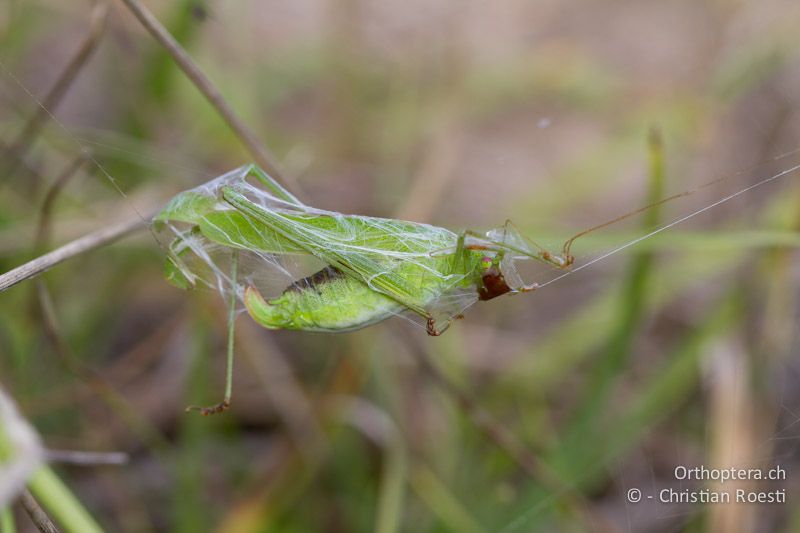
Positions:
{"x": 498, "y": 270}
{"x": 499, "y": 274}
{"x": 493, "y": 282}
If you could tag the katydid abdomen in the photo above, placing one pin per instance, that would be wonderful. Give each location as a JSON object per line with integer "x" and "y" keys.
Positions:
{"x": 327, "y": 301}
{"x": 331, "y": 301}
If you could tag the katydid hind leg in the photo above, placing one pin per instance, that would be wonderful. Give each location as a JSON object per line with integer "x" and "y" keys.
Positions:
{"x": 274, "y": 187}
{"x": 225, "y": 404}
{"x": 353, "y": 263}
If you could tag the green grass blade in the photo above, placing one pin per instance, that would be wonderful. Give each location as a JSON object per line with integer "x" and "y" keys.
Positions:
{"x": 442, "y": 502}
{"x": 60, "y": 503}
{"x": 7, "y": 523}
{"x": 632, "y": 304}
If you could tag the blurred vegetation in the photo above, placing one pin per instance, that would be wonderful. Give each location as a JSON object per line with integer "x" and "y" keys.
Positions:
{"x": 534, "y": 413}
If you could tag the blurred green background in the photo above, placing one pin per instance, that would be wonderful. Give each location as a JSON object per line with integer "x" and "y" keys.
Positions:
{"x": 534, "y": 413}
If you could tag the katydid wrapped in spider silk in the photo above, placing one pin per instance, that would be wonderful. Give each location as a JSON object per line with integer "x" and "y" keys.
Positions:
{"x": 297, "y": 267}
{"x": 369, "y": 268}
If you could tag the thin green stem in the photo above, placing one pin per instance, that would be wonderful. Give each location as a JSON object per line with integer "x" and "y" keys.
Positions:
{"x": 7, "y": 524}
{"x": 62, "y": 505}
{"x": 389, "y": 514}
